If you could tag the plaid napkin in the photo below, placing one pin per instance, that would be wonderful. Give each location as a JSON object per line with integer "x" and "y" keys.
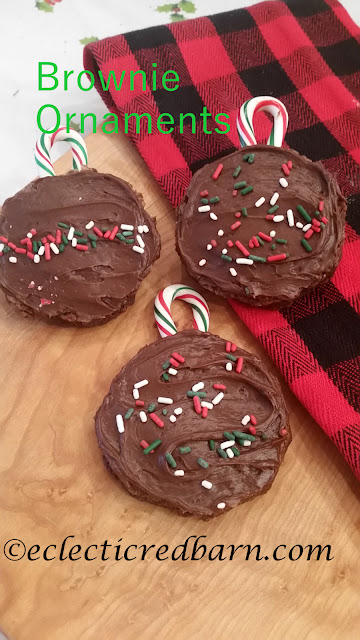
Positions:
{"x": 307, "y": 54}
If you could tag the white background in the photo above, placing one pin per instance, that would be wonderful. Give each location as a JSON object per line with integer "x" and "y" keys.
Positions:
{"x": 28, "y": 35}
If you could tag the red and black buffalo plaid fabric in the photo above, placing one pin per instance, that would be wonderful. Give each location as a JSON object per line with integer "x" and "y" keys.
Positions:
{"x": 307, "y": 54}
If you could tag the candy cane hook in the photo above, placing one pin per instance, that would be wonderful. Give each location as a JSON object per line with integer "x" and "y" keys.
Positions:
{"x": 165, "y": 297}
{"x": 47, "y": 141}
{"x": 245, "y": 118}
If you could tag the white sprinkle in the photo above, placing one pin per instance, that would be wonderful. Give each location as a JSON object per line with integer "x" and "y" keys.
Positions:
{"x": 272, "y": 234}
{"x": 307, "y": 227}
{"x": 127, "y": 227}
{"x": 218, "y": 398}
{"x": 13, "y": 259}
{"x": 247, "y": 443}
{"x": 172, "y": 372}
{"x": 172, "y": 418}
{"x": 140, "y": 384}
{"x": 179, "y": 472}
{"x": 299, "y": 225}
{"x": 120, "y": 423}
{"x": 228, "y": 443}
{"x": 278, "y": 218}
{"x": 74, "y": 242}
{"x": 143, "y": 416}
{"x": 140, "y": 228}
{"x": 290, "y": 217}
{"x": 39, "y": 288}
{"x": 138, "y": 249}
{"x": 228, "y": 366}
{"x": 208, "y": 405}
{"x": 206, "y": 484}
{"x": 54, "y": 248}
{"x": 209, "y": 247}
{"x": 1, "y": 246}
{"x": 90, "y": 224}
{"x": 198, "y": 386}
{"x": 245, "y": 420}
{"x": 71, "y": 233}
{"x": 178, "y": 411}
{"x": 213, "y": 216}
{"x": 233, "y": 271}
{"x": 140, "y": 241}
{"x": 36, "y": 258}
{"x": 259, "y": 202}
{"x": 202, "y": 262}
{"x": 244, "y": 261}
{"x": 145, "y": 228}
{"x": 203, "y": 209}
{"x": 56, "y": 278}
{"x": 224, "y": 251}
{"x": 284, "y": 183}
{"x": 274, "y": 198}
{"x": 80, "y": 198}
{"x": 220, "y": 232}
{"x": 41, "y": 250}
{"x": 221, "y": 505}
{"x": 136, "y": 394}
{"x": 163, "y": 400}
{"x": 29, "y": 235}
{"x": 230, "y": 454}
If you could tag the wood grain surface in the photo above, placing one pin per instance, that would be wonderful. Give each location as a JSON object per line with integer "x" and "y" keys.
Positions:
{"x": 54, "y": 484}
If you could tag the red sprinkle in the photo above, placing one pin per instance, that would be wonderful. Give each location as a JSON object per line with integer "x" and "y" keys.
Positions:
{"x": 277, "y": 258}
{"x": 204, "y": 193}
{"x": 139, "y": 403}
{"x": 204, "y": 412}
{"x": 157, "y": 420}
{"x": 113, "y": 233}
{"x": 263, "y": 236}
{"x": 12, "y": 245}
{"x": 173, "y": 362}
{"x": 308, "y": 234}
{"x": 213, "y": 243}
{"x": 3, "y": 239}
{"x": 228, "y": 347}
{"x": 20, "y": 250}
{"x": 233, "y": 347}
{"x": 219, "y": 387}
{"x": 50, "y": 237}
{"x": 269, "y": 217}
{"x": 316, "y": 229}
{"x": 251, "y": 244}
{"x": 24, "y": 240}
{"x": 241, "y": 248}
{"x": 315, "y": 222}
{"x": 239, "y": 365}
{"x": 285, "y": 169}
{"x": 30, "y": 255}
{"x": 255, "y": 241}
{"x": 33, "y": 231}
{"x": 82, "y": 247}
{"x": 321, "y": 205}
{"x": 253, "y": 419}
{"x": 98, "y": 232}
{"x": 45, "y": 301}
{"x": 47, "y": 251}
{"x": 234, "y": 193}
{"x": 235, "y": 225}
{"x": 252, "y": 430}
{"x": 58, "y": 236}
{"x": 197, "y": 404}
{"x": 217, "y": 171}
{"x": 178, "y": 357}
{"x": 290, "y": 164}
{"x": 324, "y": 220}
{"x": 145, "y": 444}
{"x": 230, "y": 243}
{"x": 29, "y": 244}
{"x": 238, "y": 214}
{"x": 283, "y": 432}
{"x": 107, "y": 234}
{"x": 44, "y": 240}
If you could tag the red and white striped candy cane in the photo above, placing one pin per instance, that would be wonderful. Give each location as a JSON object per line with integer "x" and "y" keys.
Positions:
{"x": 165, "y": 297}
{"x": 45, "y": 144}
{"x": 246, "y": 114}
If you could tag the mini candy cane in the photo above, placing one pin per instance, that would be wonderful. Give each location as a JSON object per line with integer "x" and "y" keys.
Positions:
{"x": 246, "y": 114}
{"x": 46, "y": 142}
{"x": 165, "y": 297}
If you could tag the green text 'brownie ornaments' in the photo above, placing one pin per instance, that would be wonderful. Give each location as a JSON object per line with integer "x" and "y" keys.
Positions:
{"x": 74, "y": 248}
{"x": 264, "y": 225}
{"x": 193, "y": 423}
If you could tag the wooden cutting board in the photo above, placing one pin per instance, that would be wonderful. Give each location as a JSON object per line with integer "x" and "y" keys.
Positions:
{"x": 54, "y": 484}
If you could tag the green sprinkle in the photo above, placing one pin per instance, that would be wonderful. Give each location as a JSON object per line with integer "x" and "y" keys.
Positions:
{"x": 203, "y": 463}
{"x": 251, "y": 158}
{"x": 221, "y": 452}
{"x": 170, "y": 460}
{"x": 229, "y": 435}
{"x": 39, "y": 243}
{"x": 128, "y": 414}
{"x": 34, "y": 246}
{"x": 204, "y": 200}
{"x": 246, "y": 157}
{"x": 166, "y": 365}
{"x": 264, "y": 436}
{"x": 104, "y": 229}
{"x": 79, "y": 234}
{"x": 244, "y": 212}
{"x": 306, "y": 245}
{"x": 62, "y": 225}
{"x": 82, "y": 241}
{"x": 93, "y": 244}
{"x": 317, "y": 213}
{"x": 304, "y": 213}
{"x": 240, "y": 185}
{"x": 64, "y": 239}
{"x": 273, "y": 246}
{"x": 151, "y": 446}
{"x": 120, "y": 236}
{"x": 127, "y": 233}
{"x": 274, "y": 208}
{"x": 257, "y": 258}
{"x": 231, "y": 357}
{"x": 185, "y": 449}
{"x": 199, "y": 394}
{"x": 281, "y": 241}
{"x": 246, "y": 190}
{"x": 237, "y": 171}
{"x": 240, "y": 441}
{"x": 211, "y": 442}
{"x": 164, "y": 411}
{"x": 247, "y": 291}
{"x": 6, "y": 249}
{"x": 92, "y": 237}
{"x": 244, "y": 436}
{"x": 166, "y": 377}
{"x": 61, "y": 247}
{"x": 151, "y": 407}
{"x": 322, "y": 225}
{"x": 225, "y": 257}
{"x": 130, "y": 241}
{"x": 214, "y": 200}
{"x": 260, "y": 240}
{"x": 235, "y": 451}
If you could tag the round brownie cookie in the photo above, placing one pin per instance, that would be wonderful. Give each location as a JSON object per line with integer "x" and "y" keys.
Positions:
{"x": 264, "y": 226}
{"x": 75, "y": 248}
{"x": 195, "y": 424}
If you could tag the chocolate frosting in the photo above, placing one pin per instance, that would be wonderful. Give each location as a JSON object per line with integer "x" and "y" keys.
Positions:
{"x": 274, "y": 284}
{"x": 76, "y": 287}
{"x": 150, "y": 477}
